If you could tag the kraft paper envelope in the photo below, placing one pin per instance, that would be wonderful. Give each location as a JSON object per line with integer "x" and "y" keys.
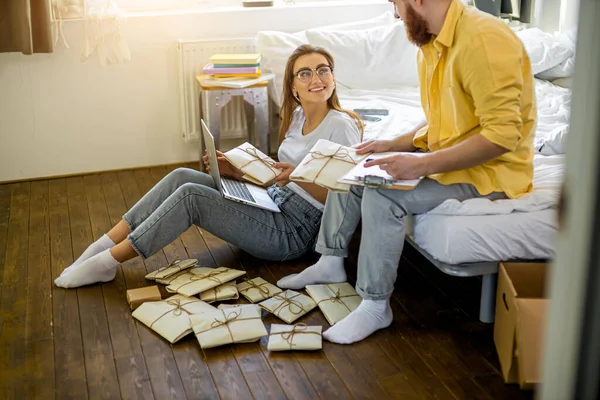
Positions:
{"x": 256, "y": 166}
{"x": 234, "y": 325}
{"x": 170, "y": 318}
{"x": 172, "y": 269}
{"x": 226, "y": 291}
{"x": 257, "y": 289}
{"x": 289, "y": 305}
{"x": 325, "y": 164}
{"x": 336, "y": 300}
{"x": 201, "y": 279}
{"x": 294, "y": 337}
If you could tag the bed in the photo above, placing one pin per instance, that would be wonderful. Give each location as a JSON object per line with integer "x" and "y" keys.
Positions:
{"x": 467, "y": 238}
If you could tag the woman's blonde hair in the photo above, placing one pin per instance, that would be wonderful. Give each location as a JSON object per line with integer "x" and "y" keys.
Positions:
{"x": 290, "y": 103}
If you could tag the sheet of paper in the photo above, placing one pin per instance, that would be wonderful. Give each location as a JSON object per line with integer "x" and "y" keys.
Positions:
{"x": 361, "y": 171}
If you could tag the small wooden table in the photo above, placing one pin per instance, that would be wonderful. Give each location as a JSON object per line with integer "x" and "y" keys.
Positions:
{"x": 214, "y": 98}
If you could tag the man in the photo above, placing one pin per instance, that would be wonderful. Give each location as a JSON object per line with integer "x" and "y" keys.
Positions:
{"x": 478, "y": 96}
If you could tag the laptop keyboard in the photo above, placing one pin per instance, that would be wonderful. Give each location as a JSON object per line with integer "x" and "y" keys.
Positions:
{"x": 237, "y": 189}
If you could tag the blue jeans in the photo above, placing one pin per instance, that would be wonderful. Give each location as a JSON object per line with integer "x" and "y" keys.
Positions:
{"x": 382, "y": 236}
{"x": 186, "y": 197}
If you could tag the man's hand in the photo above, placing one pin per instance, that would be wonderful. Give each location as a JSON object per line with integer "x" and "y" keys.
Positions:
{"x": 373, "y": 146}
{"x": 225, "y": 167}
{"x": 283, "y": 178}
{"x": 403, "y": 165}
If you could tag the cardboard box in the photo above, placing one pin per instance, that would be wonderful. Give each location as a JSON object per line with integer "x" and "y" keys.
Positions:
{"x": 135, "y": 297}
{"x": 520, "y": 325}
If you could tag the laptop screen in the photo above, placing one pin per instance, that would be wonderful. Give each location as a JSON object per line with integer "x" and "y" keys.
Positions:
{"x": 209, "y": 144}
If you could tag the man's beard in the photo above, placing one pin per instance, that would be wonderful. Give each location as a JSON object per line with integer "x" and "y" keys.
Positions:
{"x": 416, "y": 28}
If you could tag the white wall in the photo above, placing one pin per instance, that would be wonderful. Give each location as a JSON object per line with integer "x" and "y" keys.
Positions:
{"x": 60, "y": 116}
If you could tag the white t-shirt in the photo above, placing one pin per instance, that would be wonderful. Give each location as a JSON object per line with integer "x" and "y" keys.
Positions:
{"x": 337, "y": 127}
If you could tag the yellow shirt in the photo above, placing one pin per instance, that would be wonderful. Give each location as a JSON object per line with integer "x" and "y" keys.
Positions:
{"x": 475, "y": 78}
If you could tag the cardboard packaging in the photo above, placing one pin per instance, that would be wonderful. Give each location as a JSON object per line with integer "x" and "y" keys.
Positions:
{"x": 519, "y": 331}
{"x": 135, "y": 297}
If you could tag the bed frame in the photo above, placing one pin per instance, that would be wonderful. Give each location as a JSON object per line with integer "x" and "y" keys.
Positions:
{"x": 487, "y": 270}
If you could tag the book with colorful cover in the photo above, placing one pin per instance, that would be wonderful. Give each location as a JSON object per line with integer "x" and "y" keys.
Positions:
{"x": 210, "y": 69}
{"x": 236, "y": 59}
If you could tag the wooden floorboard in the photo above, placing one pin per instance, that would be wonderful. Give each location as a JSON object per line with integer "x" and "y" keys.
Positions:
{"x": 70, "y": 371}
{"x": 13, "y": 303}
{"x": 83, "y": 343}
{"x": 40, "y": 346}
{"x": 159, "y": 357}
{"x": 102, "y": 379}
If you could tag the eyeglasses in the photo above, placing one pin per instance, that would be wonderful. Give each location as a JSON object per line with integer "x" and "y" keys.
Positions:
{"x": 306, "y": 74}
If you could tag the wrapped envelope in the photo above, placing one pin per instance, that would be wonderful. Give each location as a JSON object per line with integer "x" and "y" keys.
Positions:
{"x": 325, "y": 164}
{"x": 170, "y": 318}
{"x": 171, "y": 269}
{"x": 336, "y": 300}
{"x": 257, "y": 167}
{"x": 201, "y": 279}
{"x": 226, "y": 291}
{"x": 289, "y": 305}
{"x": 234, "y": 325}
{"x": 295, "y": 337}
{"x": 257, "y": 289}
{"x": 168, "y": 280}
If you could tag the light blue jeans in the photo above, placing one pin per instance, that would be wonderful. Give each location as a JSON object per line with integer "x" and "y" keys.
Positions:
{"x": 382, "y": 238}
{"x": 186, "y": 197}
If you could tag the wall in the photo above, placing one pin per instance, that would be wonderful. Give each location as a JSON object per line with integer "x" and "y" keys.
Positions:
{"x": 60, "y": 116}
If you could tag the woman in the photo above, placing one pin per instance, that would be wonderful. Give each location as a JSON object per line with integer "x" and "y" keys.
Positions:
{"x": 310, "y": 111}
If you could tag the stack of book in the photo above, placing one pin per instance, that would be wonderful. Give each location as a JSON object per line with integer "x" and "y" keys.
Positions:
{"x": 233, "y": 66}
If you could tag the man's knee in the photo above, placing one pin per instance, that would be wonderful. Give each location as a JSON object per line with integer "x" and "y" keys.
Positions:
{"x": 381, "y": 201}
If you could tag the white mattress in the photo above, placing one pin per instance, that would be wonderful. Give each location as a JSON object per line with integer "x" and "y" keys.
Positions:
{"x": 457, "y": 239}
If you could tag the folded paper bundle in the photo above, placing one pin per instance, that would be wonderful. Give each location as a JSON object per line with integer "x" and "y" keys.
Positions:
{"x": 336, "y": 300}
{"x": 168, "y": 280}
{"x": 171, "y": 269}
{"x": 289, "y": 305}
{"x": 257, "y": 289}
{"x": 256, "y": 166}
{"x": 294, "y": 337}
{"x": 201, "y": 279}
{"x": 170, "y": 318}
{"x": 226, "y": 291}
{"x": 234, "y": 325}
{"x": 226, "y": 306}
{"x": 325, "y": 164}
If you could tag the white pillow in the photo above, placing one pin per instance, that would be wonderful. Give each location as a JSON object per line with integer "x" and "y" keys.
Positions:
{"x": 276, "y": 47}
{"x": 375, "y": 58}
{"x": 566, "y": 68}
{"x": 544, "y": 50}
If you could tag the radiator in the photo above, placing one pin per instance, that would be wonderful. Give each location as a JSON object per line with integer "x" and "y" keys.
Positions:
{"x": 192, "y": 56}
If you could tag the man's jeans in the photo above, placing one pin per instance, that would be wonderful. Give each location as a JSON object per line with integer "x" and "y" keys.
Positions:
{"x": 186, "y": 197}
{"x": 382, "y": 237}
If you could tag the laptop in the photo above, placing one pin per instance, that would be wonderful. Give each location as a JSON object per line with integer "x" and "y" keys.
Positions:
{"x": 231, "y": 189}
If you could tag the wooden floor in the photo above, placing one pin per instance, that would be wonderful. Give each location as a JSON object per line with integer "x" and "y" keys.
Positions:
{"x": 83, "y": 343}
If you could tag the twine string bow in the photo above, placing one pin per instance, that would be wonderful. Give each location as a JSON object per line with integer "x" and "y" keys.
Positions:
{"x": 266, "y": 161}
{"x": 341, "y": 154}
{"x": 300, "y": 328}
{"x": 177, "y": 310}
{"x": 288, "y": 302}
{"x": 260, "y": 287}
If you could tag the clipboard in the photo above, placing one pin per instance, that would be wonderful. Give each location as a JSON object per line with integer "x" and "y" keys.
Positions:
{"x": 375, "y": 177}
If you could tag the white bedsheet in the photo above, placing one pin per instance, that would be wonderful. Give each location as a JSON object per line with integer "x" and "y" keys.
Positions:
{"x": 458, "y": 239}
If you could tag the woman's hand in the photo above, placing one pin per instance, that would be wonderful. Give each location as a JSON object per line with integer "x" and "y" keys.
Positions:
{"x": 225, "y": 167}
{"x": 283, "y": 178}
{"x": 373, "y": 146}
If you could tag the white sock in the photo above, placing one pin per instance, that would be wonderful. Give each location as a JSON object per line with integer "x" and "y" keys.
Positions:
{"x": 99, "y": 268}
{"x": 104, "y": 243}
{"x": 329, "y": 269}
{"x": 369, "y": 316}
